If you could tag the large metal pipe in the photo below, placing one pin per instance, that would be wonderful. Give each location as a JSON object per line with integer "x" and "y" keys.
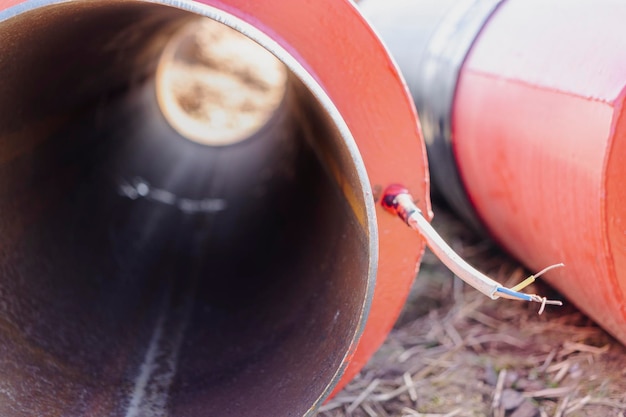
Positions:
{"x": 146, "y": 274}
{"x": 530, "y": 119}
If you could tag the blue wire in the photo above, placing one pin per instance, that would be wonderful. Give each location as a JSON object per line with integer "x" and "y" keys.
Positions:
{"x": 515, "y": 294}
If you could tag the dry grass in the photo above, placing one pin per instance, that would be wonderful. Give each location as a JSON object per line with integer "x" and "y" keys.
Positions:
{"x": 454, "y": 352}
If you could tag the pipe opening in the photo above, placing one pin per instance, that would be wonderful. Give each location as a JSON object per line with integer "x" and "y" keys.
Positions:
{"x": 216, "y": 86}
{"x": 147, "y": 274}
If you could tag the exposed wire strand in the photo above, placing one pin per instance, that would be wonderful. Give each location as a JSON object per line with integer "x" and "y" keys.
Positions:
{"x": 532, "y": 278}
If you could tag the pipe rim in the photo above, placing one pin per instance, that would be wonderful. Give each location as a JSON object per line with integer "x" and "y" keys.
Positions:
{"x": 382, "y": 119}
{"x": 15, "y": 8}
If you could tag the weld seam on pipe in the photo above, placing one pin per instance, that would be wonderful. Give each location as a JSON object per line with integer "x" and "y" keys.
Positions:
{"x": 437, "y": 80}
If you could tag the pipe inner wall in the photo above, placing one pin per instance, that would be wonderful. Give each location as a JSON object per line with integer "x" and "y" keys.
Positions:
{"x": 147, "y": 274}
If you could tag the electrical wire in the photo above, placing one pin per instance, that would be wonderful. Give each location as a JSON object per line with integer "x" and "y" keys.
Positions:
{"x": 399, "y": 201}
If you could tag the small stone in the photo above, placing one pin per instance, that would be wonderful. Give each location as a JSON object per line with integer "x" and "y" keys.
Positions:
{"x": 491, "y": 376}
{"x": 526, "y": 409}
{"x": 511, "y": 399}
{"x": 511, "y": 378}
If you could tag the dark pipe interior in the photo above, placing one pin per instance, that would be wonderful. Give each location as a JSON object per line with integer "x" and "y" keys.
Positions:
{"x": 145, "y": 274}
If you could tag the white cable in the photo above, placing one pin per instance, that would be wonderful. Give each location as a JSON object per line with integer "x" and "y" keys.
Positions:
{"x": 400, "y": 202}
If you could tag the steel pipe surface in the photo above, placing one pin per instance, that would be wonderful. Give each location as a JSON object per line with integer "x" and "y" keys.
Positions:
{"x": 147, "y": 274}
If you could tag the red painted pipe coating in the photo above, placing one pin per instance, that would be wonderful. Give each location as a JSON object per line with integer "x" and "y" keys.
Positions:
{"x": 522, "y": 105}
{"x": 539, "y": 133}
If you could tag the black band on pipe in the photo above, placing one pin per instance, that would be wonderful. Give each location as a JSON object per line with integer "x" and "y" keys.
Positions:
{"x": 430, "y": 41}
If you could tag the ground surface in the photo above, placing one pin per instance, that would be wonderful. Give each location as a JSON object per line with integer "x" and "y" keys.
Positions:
{"x": 454, "y": 352}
